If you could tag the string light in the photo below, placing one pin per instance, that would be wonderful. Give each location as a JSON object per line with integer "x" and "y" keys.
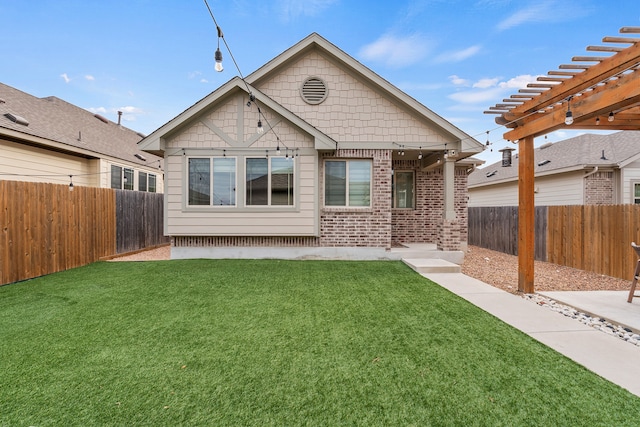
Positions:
{"x": 218, "y": 55}
{"x": 260, "y": 129}
{"x": 597, "y": 121}
{"x": 611, "y": 117}
{"x": 568, "y": 120}
{"x": 70, "y": 182}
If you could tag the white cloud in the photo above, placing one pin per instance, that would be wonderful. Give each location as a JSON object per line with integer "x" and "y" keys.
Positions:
{"x": 486, "y": 83}
{"x": 458, "y": 55}
{"x": 204, "y": 81}
{"x": 545, "y": 11}
{"x": 518, "y": 82}
{"x": 65, "y": 77}
{"x": 291, "y": 9}
{"x": 131, "y": 110}
{"x": 98, "y": 110}
{"x": 395, "y": 51}
{"x": 477, "y": 96}
{"x": 458, "y": 81}
{"x": 89, "y": 77}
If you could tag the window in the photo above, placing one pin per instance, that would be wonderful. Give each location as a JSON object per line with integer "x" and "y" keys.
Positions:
{"x": 403, "y": 185}
{"x": 221, "y": 171}
{"x": 128, "y": 179}
{"x": 636, "y": 193}
{"x": 142, "y": 181}
{"x": 152, "y": 183}
{"x": 347, "y": 183}
{"x": 269, "y": 182}
{"x": 116, "y": 177}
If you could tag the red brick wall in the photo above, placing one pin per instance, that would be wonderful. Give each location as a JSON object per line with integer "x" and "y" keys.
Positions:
{"x": 365, "y": 227}
{"x": 422, "y": 224}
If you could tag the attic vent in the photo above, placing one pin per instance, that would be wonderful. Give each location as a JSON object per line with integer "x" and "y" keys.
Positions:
{"x": 101, "y": 118}
{"x": 314, "y": 90}
{"x": 141, "y": 135}
{"x": 17, "y": 119}
{"x": 490, "y": 174}
{"x": 140, "y": 156}
{"x": 547, "y": 145}
{"x": 544, "y": 162}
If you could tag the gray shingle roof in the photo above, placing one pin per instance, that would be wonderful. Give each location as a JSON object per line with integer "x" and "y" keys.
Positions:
{"x": 56, "y": 120}
{"x": 584, "y": 151}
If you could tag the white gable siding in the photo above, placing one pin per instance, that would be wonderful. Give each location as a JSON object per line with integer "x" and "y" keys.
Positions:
{"x": 25, "y": 163}
{"x": 630, "y": 174}
{"x": 556, "y": 190}
{"x": 352, "y": 111}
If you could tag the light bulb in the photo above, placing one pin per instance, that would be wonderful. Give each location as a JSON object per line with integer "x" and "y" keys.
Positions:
{"x": 597, "y": 121}
{"x": 568, "y": 118}
{"x": 278, "y": 150}
{"x": 611, "y": 117}
{"x": 420, "y": 156}
{"x": 260, "y": 128}
{"x": 218, "y": 58}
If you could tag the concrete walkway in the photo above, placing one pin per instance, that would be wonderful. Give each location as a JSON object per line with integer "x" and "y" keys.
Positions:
{"x": 605, "y": 355}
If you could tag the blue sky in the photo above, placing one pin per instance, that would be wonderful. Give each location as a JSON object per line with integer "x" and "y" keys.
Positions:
{"x": 154, "y": 59}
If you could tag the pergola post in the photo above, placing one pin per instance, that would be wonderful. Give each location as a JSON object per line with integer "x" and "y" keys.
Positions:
{"x": 526, "y": 216}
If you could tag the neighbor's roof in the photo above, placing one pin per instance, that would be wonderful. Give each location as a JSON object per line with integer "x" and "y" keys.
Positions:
{"x": 56, "y": 124}
{"x": 582, "y": 152}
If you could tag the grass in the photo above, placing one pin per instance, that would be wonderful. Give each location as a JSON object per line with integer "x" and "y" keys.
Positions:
{"x": 263, "y": 342}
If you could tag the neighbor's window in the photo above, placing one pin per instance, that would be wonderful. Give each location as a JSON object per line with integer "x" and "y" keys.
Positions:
{"x": 142, "y": 181}
{"x": 212, "y": 181}
{"x": 347, "y": 183}
{"x": 152, "y": 183}
{"x": 636, "y": 193}
{"x": 269, "y": 182}
{"x": 128, "y": 179}
{"x": 116, "y": 177}
{"x": 403, "y": 185}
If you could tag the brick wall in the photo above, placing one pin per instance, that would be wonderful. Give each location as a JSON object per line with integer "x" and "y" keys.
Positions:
{"x": 360, "y": 227}
{"x": 599, "y": 189}
{"x": 423, "y": 224}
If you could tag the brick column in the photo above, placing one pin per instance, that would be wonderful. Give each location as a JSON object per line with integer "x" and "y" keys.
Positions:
{"x": 449, "y": 235}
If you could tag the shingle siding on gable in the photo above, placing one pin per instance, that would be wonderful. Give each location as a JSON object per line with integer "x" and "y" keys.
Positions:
{"x": 352, "y": 111}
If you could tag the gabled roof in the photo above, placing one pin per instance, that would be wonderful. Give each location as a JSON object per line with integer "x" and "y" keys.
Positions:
{"x": 154, "y": 143}
{"x": 582, "y": 152}
{"x": 56, "y": 124}
{"x": 363, "y": 73}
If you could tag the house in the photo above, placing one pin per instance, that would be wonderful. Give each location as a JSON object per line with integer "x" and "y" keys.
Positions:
{"x": 312, "y": 155}
{"x": 50, "y": 140}
{"x": 589, "y": 169}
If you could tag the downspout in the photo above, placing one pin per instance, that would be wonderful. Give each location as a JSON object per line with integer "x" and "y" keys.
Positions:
{"x": 595, "y": 169}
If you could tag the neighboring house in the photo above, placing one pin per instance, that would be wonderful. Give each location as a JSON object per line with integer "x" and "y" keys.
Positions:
{"x": 585, "y": 170}
{"x": 50, "y": 140}
{"x": 312, "y": 155}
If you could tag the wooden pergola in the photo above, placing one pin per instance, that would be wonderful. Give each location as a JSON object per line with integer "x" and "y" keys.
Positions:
{"x": 600, "y": 92}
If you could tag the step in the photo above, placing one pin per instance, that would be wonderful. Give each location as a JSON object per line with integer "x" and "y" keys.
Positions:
{"x": 424, "y": 266}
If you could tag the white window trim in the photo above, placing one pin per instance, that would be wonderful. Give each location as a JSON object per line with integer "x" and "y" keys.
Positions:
{"x": 211, "y": 204}
{"x": 413, "y": 195}
{"x": 269, "y": 174}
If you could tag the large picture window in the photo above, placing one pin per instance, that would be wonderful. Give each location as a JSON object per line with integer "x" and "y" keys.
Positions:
{"x": 269, "y": 182}
{"x": 212, "y": 181}
{"x": 403, "y": 189}
{"x": 347, "y": 183}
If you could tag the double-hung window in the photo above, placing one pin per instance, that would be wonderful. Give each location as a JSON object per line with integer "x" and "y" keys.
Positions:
{"x": 269, "y": 182}
{"x": 403, "y": 189}
{"x": 128, "y": 179}
{"x": 142, "y": 181}
{"x": 212, "y": 181}
{"x": 347, "y": 183}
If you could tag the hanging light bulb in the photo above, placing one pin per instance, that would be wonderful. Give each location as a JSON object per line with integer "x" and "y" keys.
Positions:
{"x": 278, "y": 150}
{"x": 597, "y": 121}
{"x": 260, "y": 128}
{"x": 611, "y": 117}
{"x": 70, "y": 182}
{"x": 568, "y": 118}
{"x": 218, "y": 58}
{"x": 420, "y": 155}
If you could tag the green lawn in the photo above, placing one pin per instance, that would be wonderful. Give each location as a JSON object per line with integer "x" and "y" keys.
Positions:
{"x": 264, "y": 342}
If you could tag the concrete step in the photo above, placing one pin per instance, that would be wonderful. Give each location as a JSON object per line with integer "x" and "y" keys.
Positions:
{"x": 425, "y": 266}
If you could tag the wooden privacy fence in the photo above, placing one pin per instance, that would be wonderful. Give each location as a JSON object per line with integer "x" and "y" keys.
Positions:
{"x": 591, "y": 238}
{"x": 45, "y": 228}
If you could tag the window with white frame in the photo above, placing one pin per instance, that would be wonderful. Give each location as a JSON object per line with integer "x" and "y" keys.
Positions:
{"x": 269, "y": 181}
{"x": 212, "y": 181}
{"x": 636, "y": 193}
{"x": 128, "y": 179}
{"x": 347, "y": 183}
{"x": 403, "y": 189}
{"x": 116, "y": 177}
{"x": 152, "y": 183}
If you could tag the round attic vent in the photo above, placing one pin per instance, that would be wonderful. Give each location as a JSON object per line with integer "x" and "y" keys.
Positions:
{"x": 314, "y": 90}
